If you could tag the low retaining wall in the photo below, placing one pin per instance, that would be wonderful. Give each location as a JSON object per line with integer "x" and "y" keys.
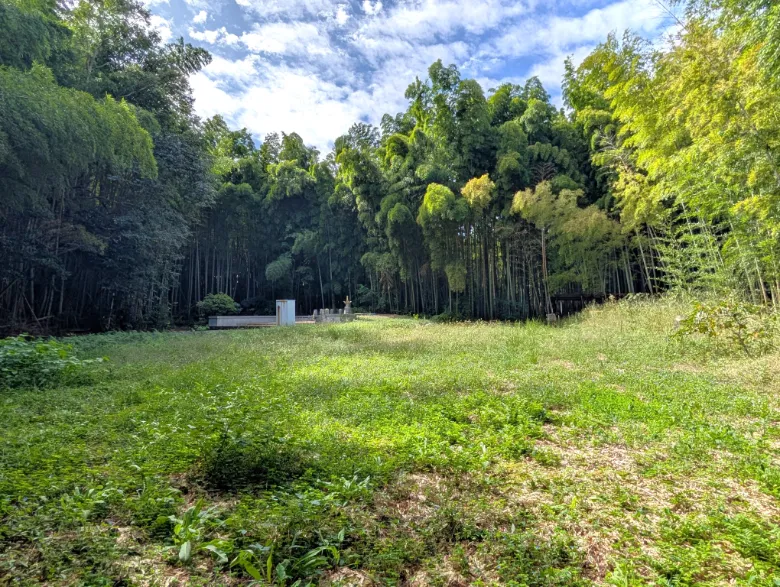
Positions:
{"x": 285, "y": 316}
{"x": 241, "y": 321}
{"x": 334, "y": 318}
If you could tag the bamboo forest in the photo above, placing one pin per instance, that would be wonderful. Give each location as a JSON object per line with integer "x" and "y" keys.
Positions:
{"x": 122, "y": 209}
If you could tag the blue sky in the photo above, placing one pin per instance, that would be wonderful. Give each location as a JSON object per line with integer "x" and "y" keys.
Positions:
{"x": 316, "y": 66}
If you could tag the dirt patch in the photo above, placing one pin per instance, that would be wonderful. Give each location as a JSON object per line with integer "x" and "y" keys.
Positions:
{"x": 568, "y": 365}
{"x": 600, "y": 496}
{"x": 407, "y": 498}
{"x": 345, "y": 577}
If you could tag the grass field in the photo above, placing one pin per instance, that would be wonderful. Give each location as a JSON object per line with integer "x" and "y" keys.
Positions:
{"x": 397, "y": 451}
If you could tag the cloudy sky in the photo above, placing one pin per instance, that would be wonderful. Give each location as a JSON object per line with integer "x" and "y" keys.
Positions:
{"x": 316, "y": 66}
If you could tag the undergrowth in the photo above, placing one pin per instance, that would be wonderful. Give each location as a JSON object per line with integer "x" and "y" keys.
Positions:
{"x": 605, "y": 450}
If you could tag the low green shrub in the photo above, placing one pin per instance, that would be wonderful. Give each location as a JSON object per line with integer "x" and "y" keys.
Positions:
{"x": 218, "y": 305}
{"x": 730, "y": 325}
{"x": 237, "y": 461}
{"x": 29, "y": 362}
{"x": 189, "y": 528}
{"x": 447, "y": 317}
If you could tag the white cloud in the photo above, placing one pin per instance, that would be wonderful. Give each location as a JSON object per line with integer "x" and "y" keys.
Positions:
{"x": 211, "y": 98}
{"x": 200, "y": 4}
{"x": 295, "y": 76}
{"x": 264, "y": 97}
{"x": 287, "y": 38}
{"x": 372, "y": 9}
{"x": 219, "y": 36}
{"x": 432, "y": 20}
{"x": 239, "y": 71}
{"x": 558, "y": 34}
{"x": 281, "y": 99}
{"x": 201, "y": 17}
{"x": 342, "y": 16}
{"x": 290, "y": 9}
{"x": 162, "y": 26}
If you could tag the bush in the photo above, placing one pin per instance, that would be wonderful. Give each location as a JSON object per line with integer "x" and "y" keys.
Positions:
{"x": 218, "y": 305}
{"x": 447, "y": 317}
{"x": 731, "y": 324}
{"x": 263, "y": 459}
{"x": 29, "y": 362}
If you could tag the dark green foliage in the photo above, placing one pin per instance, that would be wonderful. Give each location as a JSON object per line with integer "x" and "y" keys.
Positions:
{"x": 153, "y": 509}
{"x": 447, "y": 317}
{"x": 29, "y": 362}
{"x": 473, "y": 255}
{"x": 102, "y": 167}
{"x": 261, "y": 459}
{"x": 29, "y": 36}
{"x": 218, "y": 305}
{"x": 527, "y": 559}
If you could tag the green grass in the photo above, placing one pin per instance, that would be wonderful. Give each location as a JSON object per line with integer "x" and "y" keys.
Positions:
{"x": 397, "y": 451}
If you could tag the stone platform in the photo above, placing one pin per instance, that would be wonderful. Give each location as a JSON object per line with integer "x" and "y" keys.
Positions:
{"x": 332, "y": 317}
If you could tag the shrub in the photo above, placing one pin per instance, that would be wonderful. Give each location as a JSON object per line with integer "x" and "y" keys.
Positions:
{"x": 237, "y": 461}
{"x": 731, "y": 324}
{"x": 447, "y": 317}
{"x": 218, "y": 305}
{"x": 29, "y": 362}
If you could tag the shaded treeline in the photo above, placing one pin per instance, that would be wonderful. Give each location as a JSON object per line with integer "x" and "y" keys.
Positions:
{"x": 277, "y": 229}
{"x": 120, "y": 209}
{"x": 103, "y": 170}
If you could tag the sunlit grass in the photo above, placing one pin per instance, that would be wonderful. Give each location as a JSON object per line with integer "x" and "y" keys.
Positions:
{"x": 401, "y": 451}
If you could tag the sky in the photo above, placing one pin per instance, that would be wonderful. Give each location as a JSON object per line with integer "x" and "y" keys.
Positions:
{"x": 315, "y": 67}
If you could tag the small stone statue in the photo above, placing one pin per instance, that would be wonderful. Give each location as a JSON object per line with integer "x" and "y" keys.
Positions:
{"x": 347, "y": 306}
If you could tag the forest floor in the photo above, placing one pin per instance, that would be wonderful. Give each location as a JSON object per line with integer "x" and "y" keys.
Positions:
{"x": 398, "y": 451}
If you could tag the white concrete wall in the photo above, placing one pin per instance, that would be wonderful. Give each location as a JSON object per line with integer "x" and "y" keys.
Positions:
{"x": 240, "y": 321}
{"x": 285, "y": 316}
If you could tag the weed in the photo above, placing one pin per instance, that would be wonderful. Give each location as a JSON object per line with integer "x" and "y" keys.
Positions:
{"x": 29, "y": 362}
{"x": 546, "y": 457}
{"x": 525, "y": 558}
{"x": 406, "y": 450}
{"x": 236, "y": 461}
{"x": 188, "y": 530}
{"x": 731, "y": 324}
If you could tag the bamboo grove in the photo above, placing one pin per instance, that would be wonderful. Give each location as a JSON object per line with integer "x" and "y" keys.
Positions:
{"x": 120, "y": 209}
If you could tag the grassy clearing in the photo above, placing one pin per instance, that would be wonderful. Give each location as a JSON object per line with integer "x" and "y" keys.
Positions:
{"x": 396, "y": 451}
